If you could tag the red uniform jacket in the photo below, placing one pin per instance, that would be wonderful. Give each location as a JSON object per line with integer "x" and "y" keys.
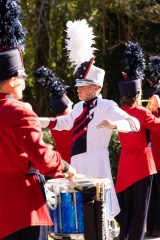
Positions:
{"x": 63, "y": 142}
{"x": 155, "y": 144}
{"x": 21, "y": 201}
{"x": 136, "y": 160}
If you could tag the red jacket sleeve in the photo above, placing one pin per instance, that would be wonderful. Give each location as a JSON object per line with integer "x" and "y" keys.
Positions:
{"x": 29, "y": 137}
{"x": 52, "y": 123}
{"x": 149, "y": 120}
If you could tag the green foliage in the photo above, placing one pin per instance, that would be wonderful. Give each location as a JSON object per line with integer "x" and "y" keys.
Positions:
{"x": 47, "y": 137}
{"x": 114, "y": 152}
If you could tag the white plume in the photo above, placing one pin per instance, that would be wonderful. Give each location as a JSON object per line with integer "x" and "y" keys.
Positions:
{"x": 79, "y": 42}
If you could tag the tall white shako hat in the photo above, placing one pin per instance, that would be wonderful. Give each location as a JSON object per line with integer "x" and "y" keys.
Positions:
{"x": 79, "y": 43}
{"x": 12, "y": 39}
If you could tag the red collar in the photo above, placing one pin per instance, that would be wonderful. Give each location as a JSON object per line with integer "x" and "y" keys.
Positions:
{"x": 5, "y": 96}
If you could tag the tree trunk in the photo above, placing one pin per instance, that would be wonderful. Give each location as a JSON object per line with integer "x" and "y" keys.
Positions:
{"x": 42, "y": 50}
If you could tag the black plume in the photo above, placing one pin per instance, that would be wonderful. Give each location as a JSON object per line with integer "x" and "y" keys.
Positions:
{"x": 12, "y": 35}
{"x": 154, "y": 69}
{"x": 134, "y": 61}
{"x": 52, "y": 84}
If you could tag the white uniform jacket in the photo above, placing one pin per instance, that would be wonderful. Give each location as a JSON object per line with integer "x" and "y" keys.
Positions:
{"x": 94, "y": 162}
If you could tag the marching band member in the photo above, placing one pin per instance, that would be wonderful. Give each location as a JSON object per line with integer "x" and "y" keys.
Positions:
{"x": 23, "y": 211}
{"x": 90, "y": 154}
{"x": 136, "y": 164}
{"x": 153, "y": 217}
{"x": 61, "y": 105}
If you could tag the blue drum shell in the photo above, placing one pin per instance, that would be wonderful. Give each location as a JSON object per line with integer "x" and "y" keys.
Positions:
{"x": 56, "y": 220}
{"x": 54, "y": 214}
{"x": 80, "y": 212}
{"x": 72, "y": 213}
{"x": 51, "y": 212}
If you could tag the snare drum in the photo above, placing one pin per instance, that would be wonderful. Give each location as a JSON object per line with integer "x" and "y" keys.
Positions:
{"x": 68, "y": 208}
{"x": 67, "y": 212}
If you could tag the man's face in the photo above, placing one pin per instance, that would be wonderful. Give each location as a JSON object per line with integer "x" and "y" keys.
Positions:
{"x": 88, "y": 92}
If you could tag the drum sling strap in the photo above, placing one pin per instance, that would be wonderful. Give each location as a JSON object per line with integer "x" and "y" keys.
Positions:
{"x": 40, "y": 177}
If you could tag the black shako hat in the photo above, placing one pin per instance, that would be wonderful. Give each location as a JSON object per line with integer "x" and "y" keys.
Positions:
{"x": 12, "y": 38}
{"x": 154, "y": 75}
{"x": 59, "y": 104}
{"x": 11, "y": 64}
{"x": 133, "y": 73}
{"x": 55, "y": 87}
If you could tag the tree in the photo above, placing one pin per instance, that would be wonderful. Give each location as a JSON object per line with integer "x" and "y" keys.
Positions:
{"x": 114, "y": 22}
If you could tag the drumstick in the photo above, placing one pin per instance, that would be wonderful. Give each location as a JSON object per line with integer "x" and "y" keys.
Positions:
{"x": 144, "y": 100}
{"x": 65, "y": 175}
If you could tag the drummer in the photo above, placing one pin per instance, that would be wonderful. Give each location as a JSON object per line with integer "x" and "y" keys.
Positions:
{"x": 21, "y": 148}
{"x": 23, "y": 211}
